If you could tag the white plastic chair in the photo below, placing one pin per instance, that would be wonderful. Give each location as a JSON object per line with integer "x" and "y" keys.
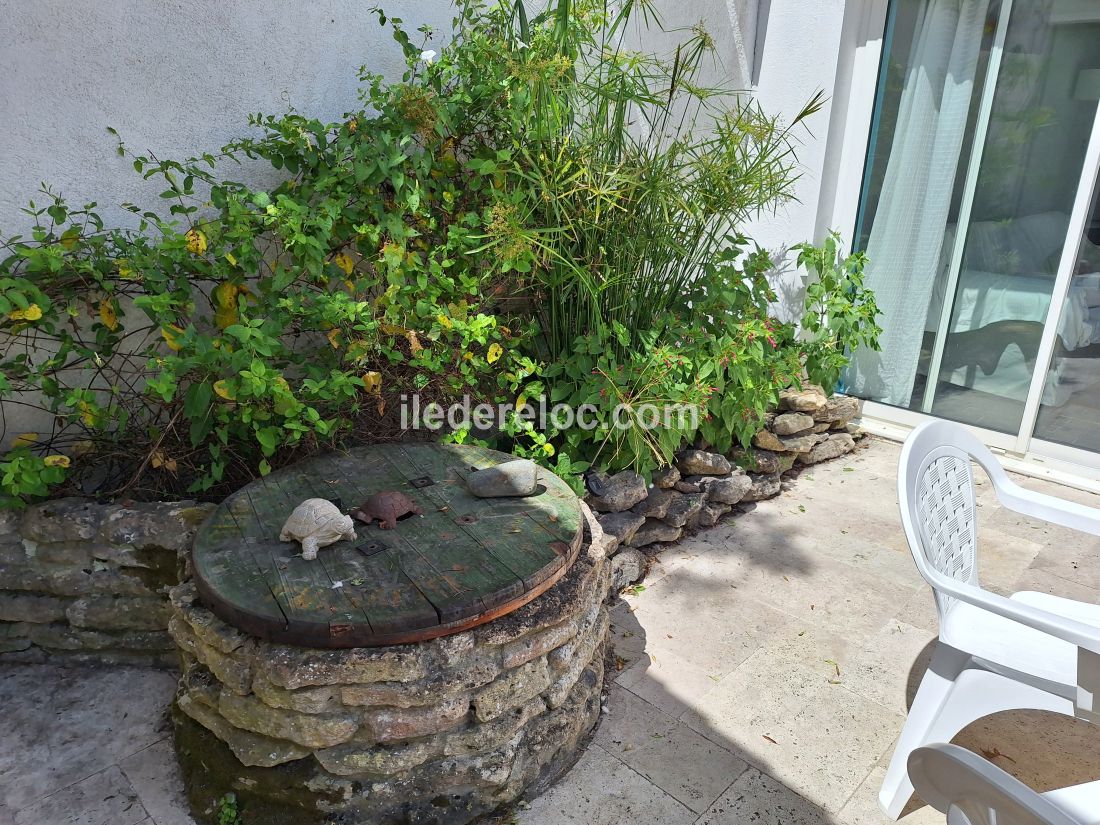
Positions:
{"x": 1030, "y": 650}
{"x": 972, "y": 791}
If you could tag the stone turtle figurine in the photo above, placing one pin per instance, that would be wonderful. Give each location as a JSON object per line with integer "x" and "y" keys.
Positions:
{"x": 317, "y": 523}
{"x": 386, "y": 508}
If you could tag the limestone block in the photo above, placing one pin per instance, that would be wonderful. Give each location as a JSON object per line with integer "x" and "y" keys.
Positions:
{"x": 702, "y": 463}
{"x": 834, "y": 446}
{"x": 396, "y": 724}
{"x": 537, "y": 644}
{"x": 627, "y": 567}
{"x": 619, "y": 492}
{"x": 682, "y": 509}
{"x": 249, "y": 748}
{"x": 30, "y": 607}
{"x": 666, "y": 478}
{"x": 791, "y": 423}
{"x": 622, "y": 525}
{"x": 310, "y": 730}
{"x": 512, "y": 689}
{"x": 653, "y": 531}
{"x": 763, "y": 486}
{"x": 118, "y": 613}
{"x": 810, "y": 398}
{"x": 62, "y": 520}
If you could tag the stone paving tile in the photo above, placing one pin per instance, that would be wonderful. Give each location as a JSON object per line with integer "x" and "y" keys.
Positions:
{"x": 1044, "y": 581}
{"x": 889, "y": 666}
{"x": 759, "y": 698}
{"x": 714, "y": 629}
{"x": 105, "y": 798}
{"x": 790, "y": 575}
{"x": 669, "y": 682}
{"x": 863, "y": 809}
{"x": 70, "y": 724}
{"x": 666, "y": 752}
{"x": 826, "y": 751}
{"x": 155, "y": 777}
{"x": 919, "y": 610}
{"x": 760, "y": 800}
{"x": 601, "y": 790}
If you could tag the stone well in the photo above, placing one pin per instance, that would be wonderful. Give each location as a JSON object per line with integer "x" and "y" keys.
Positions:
{"x": 437, "y": 732}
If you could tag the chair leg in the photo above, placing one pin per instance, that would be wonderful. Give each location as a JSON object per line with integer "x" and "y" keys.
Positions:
{"x": 935, "y": 689}
{"x": 951, "y": 696}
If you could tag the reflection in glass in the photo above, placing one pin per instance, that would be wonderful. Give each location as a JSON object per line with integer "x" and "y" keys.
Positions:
{"x": 1070, "y": 409}
{"x": 913, "y": 211}
{"x": 1029, "y": 175}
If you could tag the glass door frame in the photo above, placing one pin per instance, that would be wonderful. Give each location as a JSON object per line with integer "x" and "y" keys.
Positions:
{"x": 1026, "y": 452}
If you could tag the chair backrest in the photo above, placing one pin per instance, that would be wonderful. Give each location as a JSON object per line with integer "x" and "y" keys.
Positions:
{"x": 973, "y": 791}
{"x": 937, "y": 499}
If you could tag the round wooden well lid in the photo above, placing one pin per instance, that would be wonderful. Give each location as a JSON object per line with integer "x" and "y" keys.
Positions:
{"x": 465, "y": 561}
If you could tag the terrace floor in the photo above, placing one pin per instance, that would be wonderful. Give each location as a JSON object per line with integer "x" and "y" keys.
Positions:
{"x": 765, "y": 672}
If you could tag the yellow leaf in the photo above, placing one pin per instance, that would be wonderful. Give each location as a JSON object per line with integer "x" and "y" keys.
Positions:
{"x": 70, "y": 236}
{"x": 495, "y": 351}
{"x": 373, "y": 382}
{"x": 161, "y": 460}
{"x": 196, "y": 242}
{"x": 548, "y": 449}
{"x": 225, "y": 304}
{"x": 24, "y": 440}
{"x": 333, "y": 336}
{"x": 31, "y": 313}
{"x": 222, "y": 389}
{"x": 444, "y": 321}
{"x": 358, "y": 349}
{"x": 520, "y": 402}
{"x": 87, "y": 413}
{"x": 467, "y": 356}
{"x": 229, "y": 256}
{"x": 125, "y": 271}
{"x": 56, "y": 461}
{"x": 414, "y": 342}
{"x": 344, "y": 261}
{"x": 171, "y": 334}
{"x": 107, "y": 314}
{"x": 393, "y": 329}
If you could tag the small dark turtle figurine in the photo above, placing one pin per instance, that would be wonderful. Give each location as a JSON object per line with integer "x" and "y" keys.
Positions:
{"x": 385, "y": 508}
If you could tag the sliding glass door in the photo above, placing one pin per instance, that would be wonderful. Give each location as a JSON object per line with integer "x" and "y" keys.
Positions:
{"x": 979, "y": 218}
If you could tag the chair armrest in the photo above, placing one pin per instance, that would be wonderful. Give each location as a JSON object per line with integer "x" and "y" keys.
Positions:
{"x": 1077, "y": 633}
{"x": 1048, "y": 508}
{"x": 1085, "y": 637}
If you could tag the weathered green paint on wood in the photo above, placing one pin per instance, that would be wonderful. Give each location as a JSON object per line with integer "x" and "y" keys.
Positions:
{"x": 463, "y": 562}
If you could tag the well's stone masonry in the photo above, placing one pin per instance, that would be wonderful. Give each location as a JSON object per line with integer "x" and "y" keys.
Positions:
{"x": 82, "y": 582}
{"x": 438, "y": 732}
{"x": 703, "y": 486}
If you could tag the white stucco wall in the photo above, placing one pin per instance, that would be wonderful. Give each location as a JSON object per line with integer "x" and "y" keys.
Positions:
{"x": 179, "y": 78}
{"x": 176, "y": 78}
{"x": 799, "y": 50}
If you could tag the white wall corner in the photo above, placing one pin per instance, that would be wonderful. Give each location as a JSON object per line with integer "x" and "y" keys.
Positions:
{"x": 797, "y": 54}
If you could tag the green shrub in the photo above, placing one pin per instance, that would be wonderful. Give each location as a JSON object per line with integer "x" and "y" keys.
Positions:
{"x": 204, "y": 346}
{"x": 538, "y": 209}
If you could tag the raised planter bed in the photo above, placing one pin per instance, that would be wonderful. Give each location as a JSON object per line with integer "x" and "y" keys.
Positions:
{"x": 436, "y": 732}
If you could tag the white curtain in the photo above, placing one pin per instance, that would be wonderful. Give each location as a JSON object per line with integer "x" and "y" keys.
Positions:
{"x": 907, "y": 233}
